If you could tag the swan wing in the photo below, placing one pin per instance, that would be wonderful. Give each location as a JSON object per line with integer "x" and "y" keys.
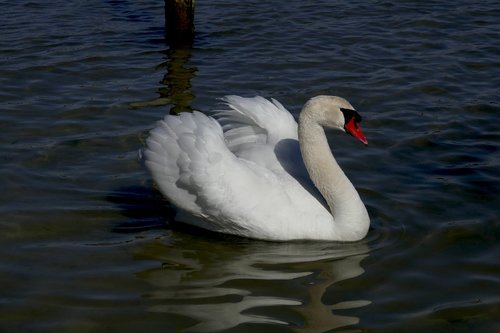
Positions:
{"x": 255, "y": 120}
{"x": 264, "y": 132}
{"x": 190, "y": 162}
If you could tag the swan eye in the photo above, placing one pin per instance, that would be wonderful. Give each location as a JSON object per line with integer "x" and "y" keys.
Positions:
{"x": 349, "y": 114}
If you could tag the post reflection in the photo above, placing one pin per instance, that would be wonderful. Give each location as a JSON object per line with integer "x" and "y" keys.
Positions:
{"x": 176, "y": 83}
{"x": 177, "y": 80}
{"x": 223, "y": 285}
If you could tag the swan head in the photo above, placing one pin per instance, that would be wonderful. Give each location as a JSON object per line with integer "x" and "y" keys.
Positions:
{"x": 335, "y": 112}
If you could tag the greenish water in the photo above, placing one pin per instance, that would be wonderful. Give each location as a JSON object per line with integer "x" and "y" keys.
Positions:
{"x": 88, "y": 245}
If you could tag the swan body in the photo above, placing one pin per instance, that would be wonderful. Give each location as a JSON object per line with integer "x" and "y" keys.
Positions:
{"x": 250, "y": 170}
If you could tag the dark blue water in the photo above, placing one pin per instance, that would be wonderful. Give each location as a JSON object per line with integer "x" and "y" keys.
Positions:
{"x": 88, "y": 244}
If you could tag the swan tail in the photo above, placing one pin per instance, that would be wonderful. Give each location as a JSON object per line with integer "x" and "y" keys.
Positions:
{"x": 255, "y": 120}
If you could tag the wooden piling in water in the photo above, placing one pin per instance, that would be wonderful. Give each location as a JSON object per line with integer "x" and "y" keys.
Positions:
{"x": 179, "y": 21}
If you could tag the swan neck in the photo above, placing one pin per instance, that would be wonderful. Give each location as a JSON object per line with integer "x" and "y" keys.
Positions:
{"x": 348, "y": 211}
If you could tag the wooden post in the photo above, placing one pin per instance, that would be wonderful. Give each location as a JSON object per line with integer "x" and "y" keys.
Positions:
{"x": 179, "y": 28}
{"x": 179, "y": 21}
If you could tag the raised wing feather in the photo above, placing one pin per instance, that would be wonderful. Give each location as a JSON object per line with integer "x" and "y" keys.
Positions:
{"x": 255, "y": 120}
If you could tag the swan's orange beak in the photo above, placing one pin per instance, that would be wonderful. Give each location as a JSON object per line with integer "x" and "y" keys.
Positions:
{"x": 352, "y": 127}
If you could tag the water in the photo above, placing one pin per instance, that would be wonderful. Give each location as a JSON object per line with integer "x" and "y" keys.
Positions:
{"x": 88, "y": 244}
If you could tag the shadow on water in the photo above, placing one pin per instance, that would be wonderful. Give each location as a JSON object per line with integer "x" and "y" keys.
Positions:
{"x": 143, "y": 209}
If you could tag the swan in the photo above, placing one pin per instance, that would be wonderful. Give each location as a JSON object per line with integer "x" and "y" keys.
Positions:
{"x": 250, "y": 170}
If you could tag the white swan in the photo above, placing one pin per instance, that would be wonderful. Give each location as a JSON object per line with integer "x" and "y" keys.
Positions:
{"x": 243, "y": 171}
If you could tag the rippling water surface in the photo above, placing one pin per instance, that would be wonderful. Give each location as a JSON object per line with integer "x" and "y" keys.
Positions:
{"x": 89, "y": 245}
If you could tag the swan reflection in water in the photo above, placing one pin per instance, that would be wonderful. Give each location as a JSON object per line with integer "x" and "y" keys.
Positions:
{"x": 220, "y": 285}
